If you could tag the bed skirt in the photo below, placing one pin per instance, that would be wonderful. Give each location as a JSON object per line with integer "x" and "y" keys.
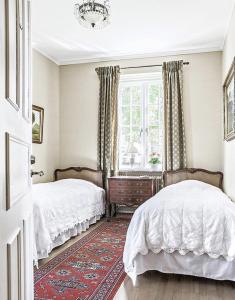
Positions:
{"x": 65, "y": 236}
{"x": 189, "y": 264}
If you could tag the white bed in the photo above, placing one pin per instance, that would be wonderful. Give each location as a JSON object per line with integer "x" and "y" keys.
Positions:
{"x": 187, "y": 228}
{"x": 63, "y": 209}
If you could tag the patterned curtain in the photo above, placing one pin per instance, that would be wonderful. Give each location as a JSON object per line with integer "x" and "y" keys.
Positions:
{"x": 175, "y": 149}
{"x": 108, "y": 114}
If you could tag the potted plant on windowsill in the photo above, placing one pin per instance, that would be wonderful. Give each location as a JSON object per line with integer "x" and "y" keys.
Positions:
{"x": 155, "y": 162}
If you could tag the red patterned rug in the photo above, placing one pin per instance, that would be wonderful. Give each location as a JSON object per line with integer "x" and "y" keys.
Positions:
{"x": 90, "y": 269}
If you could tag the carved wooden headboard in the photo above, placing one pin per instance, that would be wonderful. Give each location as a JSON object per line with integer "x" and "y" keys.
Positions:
{"x": 94, "y": 176}
{"x": 213, "y": 178}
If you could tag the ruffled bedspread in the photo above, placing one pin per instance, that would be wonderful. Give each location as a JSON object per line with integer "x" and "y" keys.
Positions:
{"x": 63, "y": 209}
{"x": 187, "y": 216}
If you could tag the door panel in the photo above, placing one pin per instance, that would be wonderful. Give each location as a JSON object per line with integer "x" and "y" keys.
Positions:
{"x": 16, "y": 237}
{"x": 26, "y": 62}
{"x": 14, "y": 266}
{"x": 13, "y": 18}
{"x": 28, "y": 252}
{"x": 17, "y": 171}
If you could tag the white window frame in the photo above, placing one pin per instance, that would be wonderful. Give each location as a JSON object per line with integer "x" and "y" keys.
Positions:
{"x": 145, "y": 79}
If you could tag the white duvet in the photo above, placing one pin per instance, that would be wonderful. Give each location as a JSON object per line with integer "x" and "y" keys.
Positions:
{"x": 60, "y": 206}
{"x": 187, "y": 216}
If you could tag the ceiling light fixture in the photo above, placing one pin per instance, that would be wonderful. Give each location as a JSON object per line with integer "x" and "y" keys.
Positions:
{"x": 93, "y": 14}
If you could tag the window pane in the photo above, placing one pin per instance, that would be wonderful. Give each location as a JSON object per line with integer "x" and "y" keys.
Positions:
{"x": 125, "y": 120}
{"x": 153, "y": 93}
{"x": 136, "y": 115}
{"x": 125, "y": 94}
{"x": 135, "y": 134}
{"x": 136, "y": 95}
{"x": 154, "y": 142}
{"x": 125, "y": 135}
{"x": 155, "y": 122}
{"x": 154, "y": 137}
{"x": 124, "y": 142}
{"x": 153, "y": 115}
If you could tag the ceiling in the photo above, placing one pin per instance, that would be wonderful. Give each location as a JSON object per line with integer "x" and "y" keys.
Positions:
{"x": 138, "y": 29}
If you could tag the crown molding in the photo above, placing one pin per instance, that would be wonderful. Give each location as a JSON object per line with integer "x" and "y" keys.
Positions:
{"x": 127, "y": 56}
{"x": 228, "y": 26}
{"x": 137, "y": 56}
{"x": 46, "y": 55}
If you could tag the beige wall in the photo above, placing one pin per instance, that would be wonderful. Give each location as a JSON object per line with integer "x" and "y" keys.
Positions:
{"x": 79, "y": 92}
{"x": 45, "y": 82}
{"x": 229, "y": 147}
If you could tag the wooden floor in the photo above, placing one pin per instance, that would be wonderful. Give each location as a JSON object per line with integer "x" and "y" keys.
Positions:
{"x": 157, "y": 286}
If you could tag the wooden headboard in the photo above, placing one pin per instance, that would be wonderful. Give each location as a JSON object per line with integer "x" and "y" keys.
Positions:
{"x": 213, "y": 178}
{"x": 94, "y": 176}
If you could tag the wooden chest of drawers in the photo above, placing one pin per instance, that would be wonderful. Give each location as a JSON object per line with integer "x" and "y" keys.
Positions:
{"x": 130, "y": 191}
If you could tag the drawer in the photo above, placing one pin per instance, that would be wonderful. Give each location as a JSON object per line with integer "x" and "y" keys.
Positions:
{"x": 134, "y": 193}
{"x": 128, "y": 200}
{"x": 130, "y": 189}
{"x": 130, "y": 183}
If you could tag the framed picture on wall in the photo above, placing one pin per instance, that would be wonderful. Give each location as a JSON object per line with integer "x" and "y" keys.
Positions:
{"x": 37, "y": 124}
{"x": 229, "y": 104}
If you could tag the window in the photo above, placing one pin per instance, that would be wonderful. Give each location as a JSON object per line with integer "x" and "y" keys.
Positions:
{"x": 140, "y": 120}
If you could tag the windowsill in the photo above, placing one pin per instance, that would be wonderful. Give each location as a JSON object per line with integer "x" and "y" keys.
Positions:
{"x": 140, "y": 172}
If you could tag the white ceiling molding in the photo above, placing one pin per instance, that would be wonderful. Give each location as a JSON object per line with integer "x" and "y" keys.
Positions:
{"x": 47, "y": 56}
{"x": 228, "y": 26}
{"x": 139, "y": 56}
{"x": 128, "y": 57}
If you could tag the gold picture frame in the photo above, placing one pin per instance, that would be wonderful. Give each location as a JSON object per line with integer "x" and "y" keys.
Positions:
{"x": 229, "y": 104}
{"x": 37, "y": 124}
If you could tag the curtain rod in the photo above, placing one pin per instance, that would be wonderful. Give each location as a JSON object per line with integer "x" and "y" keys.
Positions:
{"x": 148, "y": 66}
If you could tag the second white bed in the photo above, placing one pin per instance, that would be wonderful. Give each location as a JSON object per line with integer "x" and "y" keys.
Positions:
{"x": 187, "y": 228}
{"x": 63, "y": 209}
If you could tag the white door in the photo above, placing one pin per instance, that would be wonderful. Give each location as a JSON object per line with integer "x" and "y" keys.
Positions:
{"x": 16, "y": 267}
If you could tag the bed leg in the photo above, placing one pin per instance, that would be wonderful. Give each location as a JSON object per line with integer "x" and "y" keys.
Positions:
{"x": 107, "y": 213}
{"x": 136, "y": 282}
{"x": 134, "y": 278}
{"x": 110, "y": 212}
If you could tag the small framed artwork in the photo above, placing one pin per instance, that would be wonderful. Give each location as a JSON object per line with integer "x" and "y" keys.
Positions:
{"x": 229, "y": 104}
{"x": 37, "y": 124}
